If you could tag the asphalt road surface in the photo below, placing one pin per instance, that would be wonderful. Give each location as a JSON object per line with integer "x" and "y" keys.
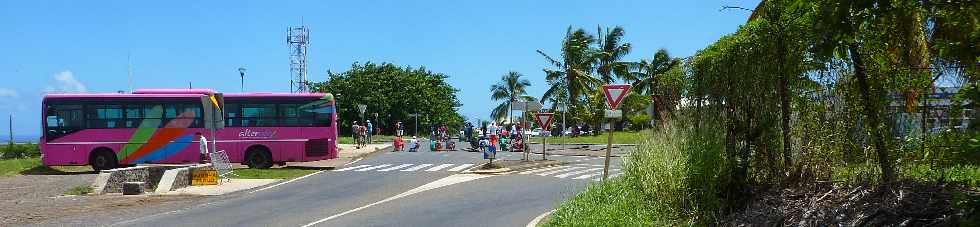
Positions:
{"x": 390, "y": 189}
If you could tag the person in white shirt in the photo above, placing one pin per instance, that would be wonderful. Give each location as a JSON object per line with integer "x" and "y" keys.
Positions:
{"x": 203, "y": 146}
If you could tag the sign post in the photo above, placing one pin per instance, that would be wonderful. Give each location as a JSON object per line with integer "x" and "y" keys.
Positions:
{"x": 614, "y": 95}
{"x": 544, "y": 120}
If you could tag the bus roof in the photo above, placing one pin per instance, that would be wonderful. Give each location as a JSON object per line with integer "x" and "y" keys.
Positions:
{"x": 177, "y": 93}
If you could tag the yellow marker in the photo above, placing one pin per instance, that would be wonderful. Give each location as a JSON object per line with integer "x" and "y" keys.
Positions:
{"x": 215, "y": 102}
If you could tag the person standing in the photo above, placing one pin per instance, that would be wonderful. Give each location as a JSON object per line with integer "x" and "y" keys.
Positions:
{"x": 370, "y": 132}
{"x": 399, "y": 130}
{"x": 203, "y": 146}
{"x": 355, "y": 130}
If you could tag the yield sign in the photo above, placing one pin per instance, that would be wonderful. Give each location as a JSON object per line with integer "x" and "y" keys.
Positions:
{"x": 544, "y": 120}
{"x": 615, "y": 94}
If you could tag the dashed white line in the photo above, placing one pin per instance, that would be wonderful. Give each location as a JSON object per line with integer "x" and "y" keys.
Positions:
{"x": 394, "y": 168}
{"x": 450, "y": 180}
{"x": 352, "y": 167}
{"x": 543, "y": 169}
{"x": 416, "y": 168}
{"x": 564, "y": 175}
{"x": 286, "y": 182}
{"x": 373, "y": 167}
{"x": 460, "y": 167}
{"x": 439, "y": 167}
{"x": 560, "y": 170}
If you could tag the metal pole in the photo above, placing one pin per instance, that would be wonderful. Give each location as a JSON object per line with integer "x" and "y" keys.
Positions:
{"x": 527, "y": 142}
{"x": 605, "y": 167}
{"x": 563, "y": 126}
{"x": 544, "y": 148}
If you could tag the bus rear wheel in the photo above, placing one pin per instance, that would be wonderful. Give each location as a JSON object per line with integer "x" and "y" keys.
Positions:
{"x": 103, "y": 159}
{"x": 258, "y": 158}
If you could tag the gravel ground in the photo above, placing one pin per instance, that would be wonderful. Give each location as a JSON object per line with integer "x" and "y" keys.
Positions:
{"x": 39, "y": 199}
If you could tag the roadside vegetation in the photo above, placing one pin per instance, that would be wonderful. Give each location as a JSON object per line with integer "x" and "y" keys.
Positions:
{"x": 812, "y": 113}
{"x": 32, "y": 166}
{"x": 80, "y": 190}
{"x": 391, "y": 94}
{"x": 625, "y": 137}
{"x": 272, "y": 173}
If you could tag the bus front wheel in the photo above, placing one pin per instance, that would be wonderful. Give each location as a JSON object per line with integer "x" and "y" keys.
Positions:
{"x": 103, "y": 159}
{"x": 258, "y": 158}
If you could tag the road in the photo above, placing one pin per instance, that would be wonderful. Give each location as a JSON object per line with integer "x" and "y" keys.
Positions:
{"x": 378, "y": 191}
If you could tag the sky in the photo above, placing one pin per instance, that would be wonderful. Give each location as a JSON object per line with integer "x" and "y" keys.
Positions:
{"x": 89, "y": 46}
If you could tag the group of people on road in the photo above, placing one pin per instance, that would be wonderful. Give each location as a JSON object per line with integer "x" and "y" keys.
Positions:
{"x": 493, "y": 137}
{"x": 362, "y": 133}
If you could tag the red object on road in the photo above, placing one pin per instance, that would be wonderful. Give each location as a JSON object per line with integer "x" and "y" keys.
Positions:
{"x": 615, "y": 94}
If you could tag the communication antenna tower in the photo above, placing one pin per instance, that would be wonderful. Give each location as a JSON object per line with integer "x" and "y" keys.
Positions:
{"x": 298, "y": 39}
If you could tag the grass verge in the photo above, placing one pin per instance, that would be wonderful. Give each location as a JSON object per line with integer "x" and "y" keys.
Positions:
{"x": 610, "y": 203}
{"x": 635, "y": 137}
{"x": 79, "y": 190}
{"x": 32, "y": 166}
{"x": 377, "y": 139}
{"x": 274, "y": 173}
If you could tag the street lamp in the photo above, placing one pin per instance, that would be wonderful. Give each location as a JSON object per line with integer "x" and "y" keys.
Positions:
{"x": 241, "y": 71}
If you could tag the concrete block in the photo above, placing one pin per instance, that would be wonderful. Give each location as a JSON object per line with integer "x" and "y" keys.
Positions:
{"x": 133, "y": 188}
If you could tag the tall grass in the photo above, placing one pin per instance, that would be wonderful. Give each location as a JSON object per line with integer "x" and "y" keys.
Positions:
{"x": 674, "y": 178}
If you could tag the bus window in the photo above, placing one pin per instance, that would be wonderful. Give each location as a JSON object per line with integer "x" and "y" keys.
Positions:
{"x": 262, "y": 115}
{"x": 104, "y": 116}
{"x": 61, "y": 120}
{"x": 134, "y": 115}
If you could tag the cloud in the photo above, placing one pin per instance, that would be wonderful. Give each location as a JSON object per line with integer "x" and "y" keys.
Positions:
{"x": 6, "y": 93}
{"x": 65, "y": 82}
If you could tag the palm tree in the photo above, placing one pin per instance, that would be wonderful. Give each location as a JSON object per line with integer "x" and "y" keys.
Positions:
{"x": 509, "y": 89}
{"x": 611, "y": 51}
{"x": 573, "y": 75}
{"x": 648, "y": 78}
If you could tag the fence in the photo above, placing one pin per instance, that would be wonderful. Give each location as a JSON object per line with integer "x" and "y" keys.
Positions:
{"x": 219, "y": 160}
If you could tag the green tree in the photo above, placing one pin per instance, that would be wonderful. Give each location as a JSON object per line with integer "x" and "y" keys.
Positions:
{"x": 393, "y": 93}
{"x": 611, "y": 51}
{"x": 573, "y": 74}
{"x": 652, "y": 78}
{"x": 511, "y": 88}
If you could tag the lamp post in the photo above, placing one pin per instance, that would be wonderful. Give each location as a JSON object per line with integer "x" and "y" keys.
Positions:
{"x": 241, "y": 71}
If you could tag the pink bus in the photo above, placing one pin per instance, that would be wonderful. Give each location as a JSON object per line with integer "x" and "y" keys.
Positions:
{"x": 158, "y": 126}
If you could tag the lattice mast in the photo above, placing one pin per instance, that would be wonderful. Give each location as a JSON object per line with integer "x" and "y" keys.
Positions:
{"x": 298, "y": 39}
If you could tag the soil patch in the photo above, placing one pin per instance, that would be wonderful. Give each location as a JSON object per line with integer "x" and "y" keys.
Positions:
{"x": 904, "y": 203}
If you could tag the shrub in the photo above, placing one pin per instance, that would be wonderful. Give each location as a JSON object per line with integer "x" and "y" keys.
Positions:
{"x": 27, "y": 150}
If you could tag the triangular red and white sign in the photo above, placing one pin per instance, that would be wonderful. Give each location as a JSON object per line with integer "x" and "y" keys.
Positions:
{"x": 544, "y": 120}
{"x": 615, "y": 94}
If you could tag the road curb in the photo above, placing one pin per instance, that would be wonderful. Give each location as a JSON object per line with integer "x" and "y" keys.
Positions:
{"x": 582, "y": 155}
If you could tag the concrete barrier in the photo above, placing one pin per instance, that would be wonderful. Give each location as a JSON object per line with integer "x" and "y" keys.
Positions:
{"x": 111, "y": 181}
{"x": 177, "y": 178}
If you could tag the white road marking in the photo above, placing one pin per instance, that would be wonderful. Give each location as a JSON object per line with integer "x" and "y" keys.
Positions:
{"x": 396, "y": 167}
{"x": 450, "y": 180}
{"x": 416, "y": 168}
{"x": 460, "y": 167}
{"x": 286, "y": 182}
{"x": 564, "y": 175}
{"x": 560, "y": 170}
{"x": 439, "y": 167}
{"x": 543, "y": 169}
{"x": 355, "y": 160}
{"x": 588, "y": 176}
{"x": 534, "y": 222}
{"x": 373, "y": 167}
{"x": 352, "y": 167}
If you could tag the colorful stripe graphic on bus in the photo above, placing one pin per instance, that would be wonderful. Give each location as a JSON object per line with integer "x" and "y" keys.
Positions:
{"x": 151, "y": 143}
